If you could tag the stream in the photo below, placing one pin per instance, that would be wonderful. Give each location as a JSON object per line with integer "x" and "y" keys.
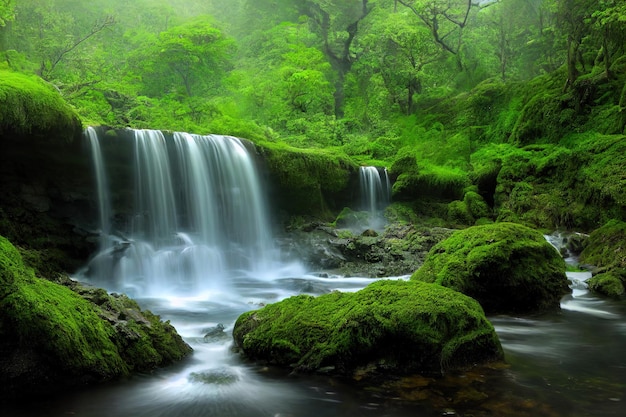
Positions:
{"x": 200, "y": 227}
{"x": 569, "y": 363}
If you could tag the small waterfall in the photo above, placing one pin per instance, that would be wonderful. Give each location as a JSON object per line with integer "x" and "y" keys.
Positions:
{"x": 199, "y": 216}
{"x": 375, "y": 192}
{"x": 104, "y": 202}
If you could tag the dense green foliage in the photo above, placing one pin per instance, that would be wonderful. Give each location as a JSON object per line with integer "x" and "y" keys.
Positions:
{"x": 507, "y": 267}
{"x": 453, "y": 96}
{"x": 398, "y": 326}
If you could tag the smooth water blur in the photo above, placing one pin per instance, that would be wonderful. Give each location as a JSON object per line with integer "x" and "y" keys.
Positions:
{"x": 199, "y": 215}
{"x": 375, "y": 195}
{"x": 198, "y": 253}
{"x": 570, "y": 363}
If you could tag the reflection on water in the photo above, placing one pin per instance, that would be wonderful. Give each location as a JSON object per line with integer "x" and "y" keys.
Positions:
{"x": 569, "y": 363}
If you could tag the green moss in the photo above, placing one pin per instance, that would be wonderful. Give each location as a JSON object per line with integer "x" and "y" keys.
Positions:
{"x": 431, "y": 181}
{"x": 606, "y": 246}
{"x": 11, "y": 266}
{"x": 30, "y": 106}
{"x": 76, "y": 338}
{"x": 508, "y": 268}
{"x": 309, "y": 181}
{"x": 610, "y": 284}
{"x": 398, "y": 325}
{"x": 459, "y": 214}
{"x": 47, "y": 316}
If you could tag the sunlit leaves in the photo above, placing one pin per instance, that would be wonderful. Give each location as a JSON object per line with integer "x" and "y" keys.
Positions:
{"x": 6, "y": 11}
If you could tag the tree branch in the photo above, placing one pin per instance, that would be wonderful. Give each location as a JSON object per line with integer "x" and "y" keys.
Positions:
{"x": 98, "y": 26}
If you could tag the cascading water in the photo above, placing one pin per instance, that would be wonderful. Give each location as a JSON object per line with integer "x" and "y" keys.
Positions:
{"x": 199, "y": 216}
{"x": 104, "y": 208}
{"x": 375, "y": 192}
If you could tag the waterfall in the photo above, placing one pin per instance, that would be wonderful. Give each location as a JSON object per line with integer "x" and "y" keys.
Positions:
{"x": 104, "y": 204}
{"x": 375, "y": 193}
{"x": 198, "y": 216}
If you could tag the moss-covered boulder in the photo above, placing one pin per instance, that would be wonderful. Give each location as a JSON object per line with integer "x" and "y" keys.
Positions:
{"x": 391, "y": 326}
{"x": 606, "y": 250}
{"x": 28, "y": 105}
{"x": 52, "y": 337}
{"x": 507, "y": 267}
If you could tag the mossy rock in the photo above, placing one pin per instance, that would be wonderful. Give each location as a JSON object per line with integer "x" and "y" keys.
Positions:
{"x": 610, "y": 284}
{"x": 507, "y": 267}
{"x": 28, "y": 105}
{"x": 606, "y": 249}
{"x": 51, "y": 337}
{"x": 392, "y": 326}
{"x": 606, "y": 246}
{"x": 308, "y": 181}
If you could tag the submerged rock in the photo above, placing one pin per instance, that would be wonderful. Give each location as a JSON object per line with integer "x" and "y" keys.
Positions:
{"x": 507, "y": 267}
{"x": 214, "y": 333}
{"x": 391, "y": 326}
{"x": 54, "y": 336}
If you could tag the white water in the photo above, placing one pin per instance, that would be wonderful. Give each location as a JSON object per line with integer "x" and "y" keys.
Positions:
{"x": 375, "y": 193}
{"x": 566, "y": 364}
{"x": 199, "y": 218}
{"x": 102, "y": 187}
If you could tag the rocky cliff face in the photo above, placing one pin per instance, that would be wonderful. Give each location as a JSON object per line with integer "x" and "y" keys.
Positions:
{"x": 47, "y": 203}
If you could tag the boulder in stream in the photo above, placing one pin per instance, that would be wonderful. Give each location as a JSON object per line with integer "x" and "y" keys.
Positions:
{"x": 508, "y": 268}
{"x": 389, "y": 327}
{"x": 606, "y": 251}
{"x": 54, "y": 336}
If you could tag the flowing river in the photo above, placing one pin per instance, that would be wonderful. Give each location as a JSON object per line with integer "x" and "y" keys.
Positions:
{"x": 569, "y": 363}
{"x": 197, "y": 250}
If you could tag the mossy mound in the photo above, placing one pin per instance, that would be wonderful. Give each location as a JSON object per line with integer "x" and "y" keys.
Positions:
{"x": 606, "y": 249}
{"x": 608, "y": 283}
{"x": 507, "y": 267}
{"x": 51, "y": 337}
{"x": 30, "y": 106}
{"x": 391, "y": 326}
{"x": 308, "y": 181}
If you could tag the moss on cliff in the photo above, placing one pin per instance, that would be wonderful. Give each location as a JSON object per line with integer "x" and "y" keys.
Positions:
{"x": 398, "y": 326}
{"x": 308, "y": 181}
{"x": 507, "y": 267}
{"x": 30, "y": 106}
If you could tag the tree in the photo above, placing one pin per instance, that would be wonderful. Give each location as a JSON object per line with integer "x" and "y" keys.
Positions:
{"x": 48, "y": 35}
{"x": 401, "y": 50}
{"x": 609, "y": 22}
{"x": 193, "y": 55}
{"x": 573, "y": 17}
{"x": 7, "y": 14}
{"x": 337, "y": 24}
{"x": 286, "y": 84}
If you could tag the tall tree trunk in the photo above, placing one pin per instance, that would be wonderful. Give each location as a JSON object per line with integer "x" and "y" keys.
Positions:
{"x": 572, "y": 55}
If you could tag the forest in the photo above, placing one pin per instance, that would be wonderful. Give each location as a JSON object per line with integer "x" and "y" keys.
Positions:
{"x": 450, "y": 83}
{"x": 499, "y": 125}
{"x": 361, "y": 76}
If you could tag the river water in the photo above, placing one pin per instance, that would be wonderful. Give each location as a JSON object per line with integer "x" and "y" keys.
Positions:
{"x": 200, "y": 229}
{"x": 569, "y": 363}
